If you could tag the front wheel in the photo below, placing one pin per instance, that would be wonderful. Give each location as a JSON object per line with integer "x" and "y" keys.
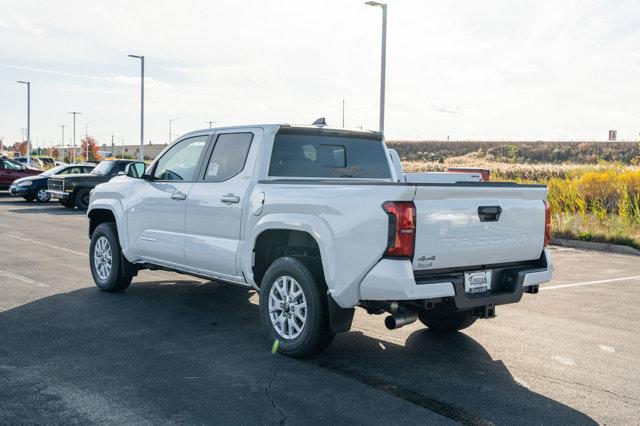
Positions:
{"x": 82, "y": 199}
{"x": 446, "y": 322}
{"x": 294, "y": 309}
{"x": 42, "y": 196}
{"x": 106, "y": 263}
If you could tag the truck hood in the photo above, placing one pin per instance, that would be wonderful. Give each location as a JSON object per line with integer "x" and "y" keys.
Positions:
{"x": 80, "y": 177}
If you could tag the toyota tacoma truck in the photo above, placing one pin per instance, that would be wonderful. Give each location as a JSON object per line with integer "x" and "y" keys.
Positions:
{"x": 319, "y": 221}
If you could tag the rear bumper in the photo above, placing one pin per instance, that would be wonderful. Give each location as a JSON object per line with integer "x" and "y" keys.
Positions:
{"x": 59, "y": 195}
{"x": 392, "y": 280}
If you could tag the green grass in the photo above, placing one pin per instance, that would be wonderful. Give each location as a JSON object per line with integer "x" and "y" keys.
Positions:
{"x": 612, "y": 229}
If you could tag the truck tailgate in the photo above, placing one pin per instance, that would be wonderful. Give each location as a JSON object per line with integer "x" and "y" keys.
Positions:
{"x": 477, "y": 224}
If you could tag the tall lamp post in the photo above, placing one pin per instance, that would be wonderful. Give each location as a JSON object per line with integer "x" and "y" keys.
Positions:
{"x": 62, "y": 143}
{"x": 141, "y": 154}
{"x": 383, "y": 57}
{"x": 171, "y": 134}
{"x": 74, "y": 134}
{"x": 28, "y": 83}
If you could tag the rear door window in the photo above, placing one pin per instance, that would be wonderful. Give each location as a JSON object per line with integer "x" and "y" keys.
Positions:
{"x": 228, "y": 157}
{"x": 319, "y": 154}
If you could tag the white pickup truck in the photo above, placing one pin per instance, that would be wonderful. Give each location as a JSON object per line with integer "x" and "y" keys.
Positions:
{"x": 319, "y": 221}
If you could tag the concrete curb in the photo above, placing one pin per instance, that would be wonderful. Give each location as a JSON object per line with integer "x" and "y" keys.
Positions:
{"x": 590, "y": 245}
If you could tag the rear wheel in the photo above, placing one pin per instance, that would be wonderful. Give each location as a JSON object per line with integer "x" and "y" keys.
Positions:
{"x": 294, "y": 309}
{"x": 446, "y": 322}
{"x": 107, "y": 264}
{"x": 42, "y": 196}
{"x": 82, "y": 199}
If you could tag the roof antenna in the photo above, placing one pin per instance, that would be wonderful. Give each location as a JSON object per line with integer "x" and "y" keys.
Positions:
{"x": 320, "y": 122}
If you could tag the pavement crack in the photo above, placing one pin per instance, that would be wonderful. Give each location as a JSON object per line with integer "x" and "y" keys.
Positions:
{"x": 586, "y": 385}
{"x": 267, "y": 388}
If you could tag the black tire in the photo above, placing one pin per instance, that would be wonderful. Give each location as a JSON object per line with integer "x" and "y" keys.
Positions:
{"x": 116, "y": 279}
{"x": 315, "y": 334}
{"x": 81, "y": 199}
{"x": 446, "y": 322}
{"x": 68, "y": 204}
{"x": 42, "y": 196}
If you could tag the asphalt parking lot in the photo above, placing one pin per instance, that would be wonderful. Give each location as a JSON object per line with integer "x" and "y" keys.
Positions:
{"x": 175, "y": 349}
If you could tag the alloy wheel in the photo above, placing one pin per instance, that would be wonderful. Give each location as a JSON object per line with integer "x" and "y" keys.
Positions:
{"x": 102, "y": 258}
{"x": 287, "y": 307}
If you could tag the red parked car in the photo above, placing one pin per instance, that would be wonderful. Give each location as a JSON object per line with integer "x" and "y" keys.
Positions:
{"x": 10, "y": 171}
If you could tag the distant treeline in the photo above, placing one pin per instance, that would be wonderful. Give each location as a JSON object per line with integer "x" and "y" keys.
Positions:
{"x": 519, "y": 152}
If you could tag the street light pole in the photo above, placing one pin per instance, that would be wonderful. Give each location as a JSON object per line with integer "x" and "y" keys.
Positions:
{"x": 62, "y": 142}
{"x": 141, "y": 154}
{"x": 28, "y": 83}
{"x": 383, "y": 58}
{"x": 170, "y": 134}
{"x": 74, "y": 135}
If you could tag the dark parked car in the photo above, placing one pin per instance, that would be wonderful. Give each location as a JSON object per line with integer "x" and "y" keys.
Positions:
{"x": 35, "y": 187}
{"x": 10, "y": 171}
{"x": 73, "y": 190}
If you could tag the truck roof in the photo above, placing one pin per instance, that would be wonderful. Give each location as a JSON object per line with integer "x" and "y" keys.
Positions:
{"x": 276, "y": 126}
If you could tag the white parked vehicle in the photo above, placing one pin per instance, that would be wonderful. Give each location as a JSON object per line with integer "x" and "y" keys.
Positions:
{"x": 318, "y": 221}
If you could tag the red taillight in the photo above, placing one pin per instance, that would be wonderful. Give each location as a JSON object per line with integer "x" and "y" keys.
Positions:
{"x": 402, "y": 228}
{"x": 547, "y": 224}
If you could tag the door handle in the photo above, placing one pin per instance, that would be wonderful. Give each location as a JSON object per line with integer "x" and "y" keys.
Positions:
{"x": 179, "y": 196}
{"x": 230, "y": 198}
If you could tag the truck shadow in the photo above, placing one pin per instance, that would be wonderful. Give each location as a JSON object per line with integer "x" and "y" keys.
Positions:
{"x": 180, "y": 350}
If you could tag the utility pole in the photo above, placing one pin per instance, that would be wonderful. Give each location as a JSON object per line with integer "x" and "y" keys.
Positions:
{"x": 141, "y": 154}
{"x": 210, "y": 123}
{"x": 74, "y": 134}
{"x": 383, "y": 58}
{"x": 343, "y": 113}
{"x": 28, "y": 83}
{"x": 62, "y": 143}
{"x": 113, "y": 148}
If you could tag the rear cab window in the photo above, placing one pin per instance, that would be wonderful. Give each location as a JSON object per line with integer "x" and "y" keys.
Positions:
{"x": 328, "y": 154}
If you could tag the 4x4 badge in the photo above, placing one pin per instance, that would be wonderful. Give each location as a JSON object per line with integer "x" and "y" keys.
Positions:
{"x": 423, "y": 258}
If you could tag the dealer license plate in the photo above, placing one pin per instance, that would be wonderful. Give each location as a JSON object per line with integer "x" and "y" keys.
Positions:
{"x": 477, "y": 281}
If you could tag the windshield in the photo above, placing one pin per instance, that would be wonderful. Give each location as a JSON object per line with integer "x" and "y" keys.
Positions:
{"x": 54, "y": 171}
{"x": 103, "y": 168}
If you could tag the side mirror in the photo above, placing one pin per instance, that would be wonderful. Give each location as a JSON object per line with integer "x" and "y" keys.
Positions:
{"x": 135, "y": 170}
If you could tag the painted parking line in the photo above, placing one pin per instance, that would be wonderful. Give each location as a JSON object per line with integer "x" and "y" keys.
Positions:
{"x": 610, "y": 280}
{"x": 22, "y": 278}
{"x": 28, "y": 240}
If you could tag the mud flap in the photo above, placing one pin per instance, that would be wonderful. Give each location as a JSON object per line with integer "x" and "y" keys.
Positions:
{"x": 340, "y": 318}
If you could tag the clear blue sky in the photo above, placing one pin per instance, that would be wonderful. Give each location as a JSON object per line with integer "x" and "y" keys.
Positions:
{"x": 468, "y": 69}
